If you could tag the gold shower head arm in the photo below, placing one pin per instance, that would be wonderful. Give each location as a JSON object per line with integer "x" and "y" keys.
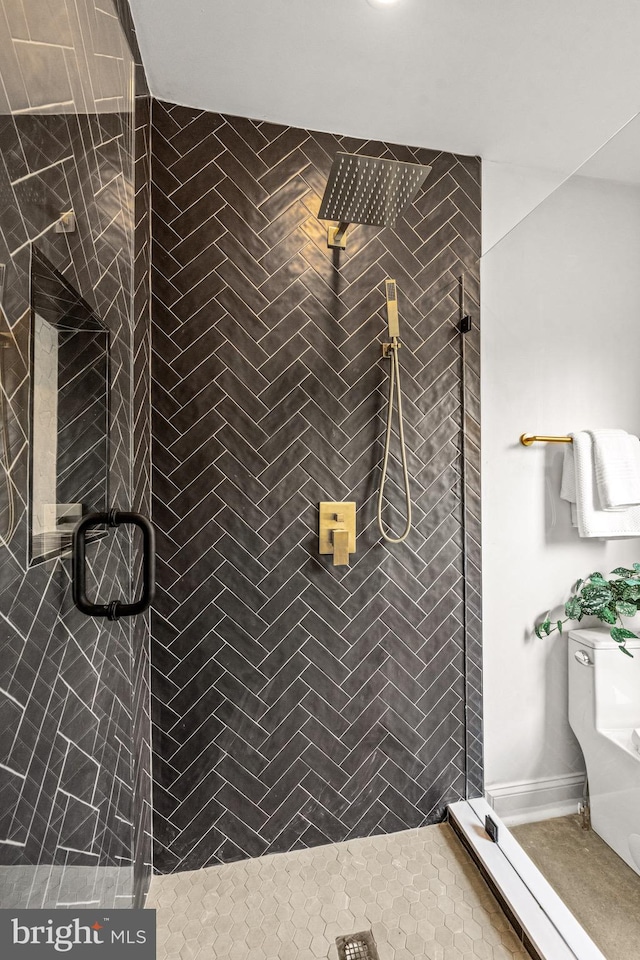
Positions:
{"x": 337, "y": 236}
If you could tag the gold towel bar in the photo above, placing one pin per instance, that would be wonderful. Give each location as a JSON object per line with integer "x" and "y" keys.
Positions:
{"x": 528, "y": 438}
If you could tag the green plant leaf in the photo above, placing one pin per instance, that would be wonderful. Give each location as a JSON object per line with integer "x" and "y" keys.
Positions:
{"x": 599, "y": 581}
{"x": 632, "y": 582}
{"x": 594, "y": 598}
{"x": 636, "y": 567}
{"x": 626, "y": 609}
{"x": 621, "y": 633}
{"x": 577, "y": 585}
{"x": 629, "y": 593}
{"x": 546, "y": 626}
{"x": 607, "y": 615}
{"x": 559, "y": 626}
{"x": 572, "y": 608}
{"x": 624, "y": 650}
{"x": 596, "y": 576}
{"x": 624, "y": 572}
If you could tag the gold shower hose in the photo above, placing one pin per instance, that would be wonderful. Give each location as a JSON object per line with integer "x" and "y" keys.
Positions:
{"x": 394, "y": 389}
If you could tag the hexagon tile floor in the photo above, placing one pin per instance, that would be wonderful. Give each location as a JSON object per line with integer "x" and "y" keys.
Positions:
{"x": 417, "y": 891}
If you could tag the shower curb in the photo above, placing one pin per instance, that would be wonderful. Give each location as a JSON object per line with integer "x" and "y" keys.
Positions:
{"x": 547, "y": 928}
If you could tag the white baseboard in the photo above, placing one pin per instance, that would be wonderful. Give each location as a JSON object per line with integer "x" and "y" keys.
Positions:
{"x": 525, "y": 801}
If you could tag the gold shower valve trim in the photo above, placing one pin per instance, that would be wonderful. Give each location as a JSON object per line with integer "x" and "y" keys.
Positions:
{"x": 337, "y": 530}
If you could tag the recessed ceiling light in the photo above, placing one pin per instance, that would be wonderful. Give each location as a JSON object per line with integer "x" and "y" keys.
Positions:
{"x": 382, "y": 3}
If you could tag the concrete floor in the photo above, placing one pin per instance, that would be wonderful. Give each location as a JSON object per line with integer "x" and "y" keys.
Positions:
{"x": 417, "y": 891}
{"x": 601, "y": 891}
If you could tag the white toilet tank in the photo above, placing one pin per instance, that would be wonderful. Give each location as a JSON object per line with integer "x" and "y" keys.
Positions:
{"x": 604, "y": 684}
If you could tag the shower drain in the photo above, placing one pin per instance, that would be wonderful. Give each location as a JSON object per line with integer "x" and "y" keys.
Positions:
{"x": 357, "y": 946}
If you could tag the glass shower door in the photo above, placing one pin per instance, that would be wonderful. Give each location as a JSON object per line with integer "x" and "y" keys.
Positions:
{"x": 67, "y": 794}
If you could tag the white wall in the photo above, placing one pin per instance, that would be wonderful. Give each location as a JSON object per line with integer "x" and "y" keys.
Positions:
{"x": 509, "y": 193}
{"x": 561, "y": 352}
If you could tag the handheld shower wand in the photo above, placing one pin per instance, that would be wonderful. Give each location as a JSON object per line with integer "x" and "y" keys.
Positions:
{"x": 395, "y": 394}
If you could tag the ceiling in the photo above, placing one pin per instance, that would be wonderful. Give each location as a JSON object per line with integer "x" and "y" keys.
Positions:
{"x": 619, "y": 158}
{"x": 535, "y": 84}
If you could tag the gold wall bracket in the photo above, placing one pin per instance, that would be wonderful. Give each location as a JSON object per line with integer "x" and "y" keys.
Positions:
{"x": 337, "y": 236}
{"x": 337, "y": 531}
{"x": 388, "y": 348}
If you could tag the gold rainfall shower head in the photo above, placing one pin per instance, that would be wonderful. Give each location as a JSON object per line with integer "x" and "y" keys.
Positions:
{"x": 368, "y": 190}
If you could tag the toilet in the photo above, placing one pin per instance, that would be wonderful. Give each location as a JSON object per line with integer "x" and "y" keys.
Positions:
{"x": 604, "y": 714}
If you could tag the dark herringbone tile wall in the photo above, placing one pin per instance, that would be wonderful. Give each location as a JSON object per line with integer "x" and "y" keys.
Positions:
{"x": 295, "y": 703}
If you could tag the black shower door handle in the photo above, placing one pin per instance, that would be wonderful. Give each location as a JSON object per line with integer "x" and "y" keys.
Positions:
{"x": 115, "y": 608}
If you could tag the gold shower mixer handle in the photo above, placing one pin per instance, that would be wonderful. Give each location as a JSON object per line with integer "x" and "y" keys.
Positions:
{"x": 340, "y": 539}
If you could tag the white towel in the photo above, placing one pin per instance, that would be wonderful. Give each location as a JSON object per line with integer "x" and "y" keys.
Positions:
{"x": 568, "y": 484}
{"x": 574, "y": 515}
{"x": 592, "y": 521}
{"x": 568, "y": 487}
{"x": 616, "y": 457}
